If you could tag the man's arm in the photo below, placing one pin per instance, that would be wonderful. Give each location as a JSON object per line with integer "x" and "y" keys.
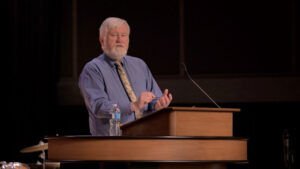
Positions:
{"x": 161, "y": 100}
{"x": 92, "y": 88}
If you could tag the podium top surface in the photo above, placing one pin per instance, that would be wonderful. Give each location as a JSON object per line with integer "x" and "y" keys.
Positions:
{"x": 209, "y": 109}
{"x": 142, "y": 137}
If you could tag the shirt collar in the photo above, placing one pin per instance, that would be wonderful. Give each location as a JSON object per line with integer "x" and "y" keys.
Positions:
{"x": 112, "y": 62}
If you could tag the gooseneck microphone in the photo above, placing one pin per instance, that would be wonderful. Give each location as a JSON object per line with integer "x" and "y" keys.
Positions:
{"x": 188, "y": 75}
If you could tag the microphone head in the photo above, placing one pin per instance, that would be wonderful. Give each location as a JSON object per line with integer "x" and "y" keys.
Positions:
{"x": 184, "y": 67}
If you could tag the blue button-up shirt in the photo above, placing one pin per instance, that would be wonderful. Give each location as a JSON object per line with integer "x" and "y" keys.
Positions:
{"x": 101, "y": 87}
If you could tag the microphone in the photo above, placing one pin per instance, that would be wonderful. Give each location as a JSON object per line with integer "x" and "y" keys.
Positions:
{"x": 287, "y": 153}
{"x": 188, "y": 75}
{"x": 286, "y": 148}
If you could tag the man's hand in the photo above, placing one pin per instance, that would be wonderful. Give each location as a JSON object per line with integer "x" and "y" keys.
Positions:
{"x": 143, "y": 100}
{"x": 164, "y": 100}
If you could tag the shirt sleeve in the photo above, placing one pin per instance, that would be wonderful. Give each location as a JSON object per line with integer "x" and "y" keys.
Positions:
{"x": 153, "y": 87}
{"x": 92, "y": 87}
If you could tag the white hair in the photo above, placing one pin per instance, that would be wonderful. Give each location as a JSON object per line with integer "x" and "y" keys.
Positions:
{"x": 111, "y": 22}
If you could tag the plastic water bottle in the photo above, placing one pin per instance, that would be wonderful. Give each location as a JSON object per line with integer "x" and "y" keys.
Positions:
{"x": 114, "y": 122}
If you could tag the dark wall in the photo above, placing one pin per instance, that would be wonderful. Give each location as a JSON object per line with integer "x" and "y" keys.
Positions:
{"x": 148, "y": 21}
{"x": 222, "y": 37}
{"x": 29, "y": 90}
{"x": 239, "y": 37}
{"x": 50, "y": 41}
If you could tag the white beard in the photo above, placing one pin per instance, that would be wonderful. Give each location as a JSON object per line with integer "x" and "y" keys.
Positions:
{"x": 116, "y": 53}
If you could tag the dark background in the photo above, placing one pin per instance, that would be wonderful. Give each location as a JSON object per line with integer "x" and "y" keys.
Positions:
{"x": 243, "y": 53}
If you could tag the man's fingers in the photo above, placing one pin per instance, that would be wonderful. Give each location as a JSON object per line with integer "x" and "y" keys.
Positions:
{"x": 165, "y": 101}
{"x": 162, "y": 101}
{"x": 149, "y": 95}
{"x": 166, "y": 92}
{"x": 158, "y": 103}
{"x": 153, "y": 96}
{"x": 170, "y": 97}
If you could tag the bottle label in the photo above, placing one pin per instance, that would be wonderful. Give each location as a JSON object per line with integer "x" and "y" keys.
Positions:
{"x": 113, "y": 115}
{"x": 117, "y": 115}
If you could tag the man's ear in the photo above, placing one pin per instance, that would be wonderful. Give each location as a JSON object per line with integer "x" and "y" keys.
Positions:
{"x": 101, "y": 40}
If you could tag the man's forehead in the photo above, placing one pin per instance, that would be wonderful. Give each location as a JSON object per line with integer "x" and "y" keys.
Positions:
{"x": 122, "y": 28}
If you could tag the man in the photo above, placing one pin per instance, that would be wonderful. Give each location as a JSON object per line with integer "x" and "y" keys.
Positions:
{"x": 116, "y": 78}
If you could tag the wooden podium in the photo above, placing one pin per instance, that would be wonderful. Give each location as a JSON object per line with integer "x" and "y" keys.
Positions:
{"x": 182, "y": 137}
{"x": 183, "y": 121}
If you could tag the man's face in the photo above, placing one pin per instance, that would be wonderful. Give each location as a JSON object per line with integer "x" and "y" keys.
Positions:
{"x": 115, "y": 43}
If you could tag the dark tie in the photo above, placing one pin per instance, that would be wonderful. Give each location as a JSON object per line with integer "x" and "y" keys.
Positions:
{"x": 128, "y": 88}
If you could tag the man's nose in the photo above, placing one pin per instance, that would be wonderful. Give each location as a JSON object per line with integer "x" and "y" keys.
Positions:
{"x": 118, "y": 38}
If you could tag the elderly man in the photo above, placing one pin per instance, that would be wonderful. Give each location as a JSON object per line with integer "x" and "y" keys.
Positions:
{"x": 116, "y": 78}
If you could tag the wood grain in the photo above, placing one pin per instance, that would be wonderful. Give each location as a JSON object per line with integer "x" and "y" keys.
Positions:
{"x": 183, "y": 121}
{"x": 160, "y": 149}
